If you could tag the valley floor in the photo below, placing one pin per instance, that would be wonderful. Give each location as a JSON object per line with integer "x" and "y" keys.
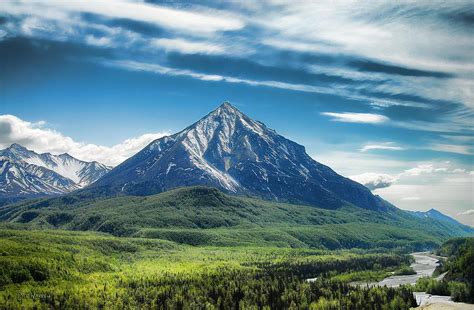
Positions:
{"x": 65, "y": 269}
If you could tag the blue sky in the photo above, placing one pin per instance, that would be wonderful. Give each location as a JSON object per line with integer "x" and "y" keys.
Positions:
{"x": 381, "y": 92}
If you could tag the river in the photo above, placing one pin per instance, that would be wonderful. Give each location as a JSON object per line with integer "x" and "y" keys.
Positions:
{"x": 424, "y": 265}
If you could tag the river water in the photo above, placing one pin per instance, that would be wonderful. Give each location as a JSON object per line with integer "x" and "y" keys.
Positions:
{"x": 424, "y": 266}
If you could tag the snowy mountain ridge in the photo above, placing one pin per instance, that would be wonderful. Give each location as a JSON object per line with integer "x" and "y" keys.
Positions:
{"x": 21, "y": 179}
{"x": 25, "y": 173}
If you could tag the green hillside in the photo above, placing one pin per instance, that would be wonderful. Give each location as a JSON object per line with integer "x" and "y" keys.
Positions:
{"x": 206, "y": 216}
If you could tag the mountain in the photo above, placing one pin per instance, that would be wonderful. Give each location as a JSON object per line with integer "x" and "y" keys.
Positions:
{"x": 435, "y": 214}
{"x": 18, "y": 178}
{"x": 24, "y": 173}
{"x": 228, "y": 150}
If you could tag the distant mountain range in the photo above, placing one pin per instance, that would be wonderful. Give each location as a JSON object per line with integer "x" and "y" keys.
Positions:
{"x": 26, "y": 174}
{"x": 228, "y": 150}
{"x": 436, "y": 215}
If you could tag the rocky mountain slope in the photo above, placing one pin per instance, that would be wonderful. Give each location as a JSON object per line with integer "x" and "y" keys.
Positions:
{"x": 25, "y": 173}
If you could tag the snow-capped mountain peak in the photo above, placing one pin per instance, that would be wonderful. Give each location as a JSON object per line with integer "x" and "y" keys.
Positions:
{"x": 26, "y": 173}
{"x": 229, "y": 150}
{"x": 17, "y": 150}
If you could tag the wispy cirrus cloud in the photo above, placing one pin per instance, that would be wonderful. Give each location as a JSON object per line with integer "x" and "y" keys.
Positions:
{"x": 159, "y": 69}
{"x": 438, "y": 147}
{"x": 189, "y": 21}
{"x": 452, "y": 148}
{"x": 349, "y": 117}
{"x": 188, "y": 47}
{"x": 391, "y": 146}
{"x": 350, "y": 37}
{"x": 377, "y": 30}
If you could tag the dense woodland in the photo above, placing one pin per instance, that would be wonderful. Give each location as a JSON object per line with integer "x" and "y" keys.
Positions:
{"x": 62, "y": 269}
{"x": 200, "y": 248}
{"x": 203, "y": 216}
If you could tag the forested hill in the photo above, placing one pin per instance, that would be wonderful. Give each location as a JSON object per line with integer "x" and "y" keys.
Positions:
{"x": 206, "y": 216}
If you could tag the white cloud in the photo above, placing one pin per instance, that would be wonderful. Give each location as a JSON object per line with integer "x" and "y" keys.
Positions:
{"x": 374, "y": 180}
{"x": 349, "y": 27}
{"x": 458, "y": 138}
{"x": 188, "y": 47}
{"x": 438, "y": 193}
{"x": 300, "y": 46}
{"x": 436, "y": 170}
{"x": 383, "y": 146}
{"x": 445, "y": 186}
{"x": 188, "y": 21}
{"x": 420, "y": 169}
{"x": 378, "y": 31}
{"x": 468, "y": 212}
{"x": 98, "y": 41}
{"x": 39, "y": 138}
{"x": 452, "y": 148}
{"x": 32, "y": 25}
{"x": 155, "y": 68}
{"x": 349, "y": 117}
{"x": 158, "y": 69}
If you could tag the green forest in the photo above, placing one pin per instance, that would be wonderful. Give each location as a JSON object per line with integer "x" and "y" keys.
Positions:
{"x": 207, "y": 217}
{"x": 198, "y": 248}
{"x": 62, "y": 269}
